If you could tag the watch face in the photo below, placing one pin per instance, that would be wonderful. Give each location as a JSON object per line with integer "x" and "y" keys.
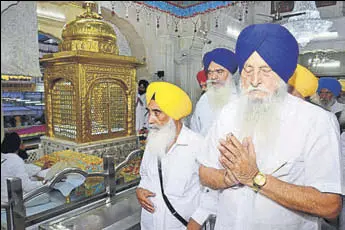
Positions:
{"x": 260, "y": 179}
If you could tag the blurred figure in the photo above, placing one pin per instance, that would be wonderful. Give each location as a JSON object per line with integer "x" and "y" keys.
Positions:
{"x": 303, "y": 83}
{"x": 341, "y": 98}
{"x": 202, "y": 78}
{"x": 219, "y": 65}
{"x": 13, "y": 165}
{"x": 328, "y": 90}
{"x": 141, "y": 113}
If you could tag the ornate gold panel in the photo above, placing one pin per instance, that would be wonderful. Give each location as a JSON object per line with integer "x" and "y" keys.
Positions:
{"x": 107, "y": 110}
{"x": 64, "y": 110}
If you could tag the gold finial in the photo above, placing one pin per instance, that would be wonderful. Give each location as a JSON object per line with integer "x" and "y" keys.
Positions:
{"x": 89, "y": 14}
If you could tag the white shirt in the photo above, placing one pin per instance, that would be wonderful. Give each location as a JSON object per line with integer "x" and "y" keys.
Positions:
{"x": 337, "y": 107}
{"x": 180, "y": 172}
{"x": 141, "y": 116}
{"x": 204, "y": 115}
{"x": 14, "y": 166}
{"x": 342, "y": 214}
{"x": 308, "y": 141}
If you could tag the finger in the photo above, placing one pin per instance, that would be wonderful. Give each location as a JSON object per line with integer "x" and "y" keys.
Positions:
{"x": 226, "y": 153}
{"x": 147, "y": 203}
{"x": 230, "y": 147}
{"x": 251, "y": 148}
{"x": 226, "y": 163}
{"x": 148, "y": 208}
{"x": 150, "y": 194}
{"x": 236, "y": 143}
{"x": 230, "y": 179}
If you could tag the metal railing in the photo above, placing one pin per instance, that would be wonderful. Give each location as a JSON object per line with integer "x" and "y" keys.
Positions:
{"x": 15, "y": 209}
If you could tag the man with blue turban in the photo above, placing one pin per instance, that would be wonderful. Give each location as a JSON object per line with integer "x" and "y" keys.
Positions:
{"x": 169, "y": 190}
{"x": 328, "y": 90}
{"x": 273, "y": 158}
{"x": 220, "y": 65}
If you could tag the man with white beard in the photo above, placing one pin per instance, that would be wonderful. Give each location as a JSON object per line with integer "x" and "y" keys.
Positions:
{"x": 169, "y": 190}
{"x": 328, "y": 90}
{"x": 220, "y": 64}
{"x": 275, "y": 159}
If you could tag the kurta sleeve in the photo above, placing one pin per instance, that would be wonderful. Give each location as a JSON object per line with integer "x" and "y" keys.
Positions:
{"x": 27, "y": 183}
{"x": 322, "y": 156}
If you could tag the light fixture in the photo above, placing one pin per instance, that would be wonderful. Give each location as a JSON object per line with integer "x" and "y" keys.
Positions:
{"x": 306, "y": 27}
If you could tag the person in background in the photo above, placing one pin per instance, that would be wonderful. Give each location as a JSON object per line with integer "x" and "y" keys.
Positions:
{"x": 303, "y": 83}
{"x": 141, "y": 113}
{"x": 202, "y": 78}
{"x": 342, "y": 214}
{"x": 13, "y": 165}
{"x": 220, "y": 64}
{"x": 328, "y": 90}
{"x": 341, "y": 98}
{"x": 273, "y": 157}
{"x": 169, "y": 163}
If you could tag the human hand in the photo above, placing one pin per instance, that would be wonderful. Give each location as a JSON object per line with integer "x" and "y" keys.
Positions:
{"x": 143, "y": 198}
{"x": 239, "y": 158}
{"x": 193, "y": 225}
{"x": 229, "y": 178}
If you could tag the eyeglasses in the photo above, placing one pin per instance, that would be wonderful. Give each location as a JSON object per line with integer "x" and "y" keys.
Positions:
{"x": 219, "y": 72}
{"x": 264, "y": 71}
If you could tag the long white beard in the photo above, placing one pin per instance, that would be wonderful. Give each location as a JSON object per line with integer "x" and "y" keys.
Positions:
{"x": 260, "y": 118}
{"x": 218, "y": 96}
{"x": 327, "y": 104}
{"x": 160, "y": 138}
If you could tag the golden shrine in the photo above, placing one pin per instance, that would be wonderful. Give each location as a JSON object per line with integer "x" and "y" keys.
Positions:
{"x": 89, "y": 89}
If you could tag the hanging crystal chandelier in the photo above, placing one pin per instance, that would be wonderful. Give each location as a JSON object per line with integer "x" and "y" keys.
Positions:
{"x": 305, "y": 27}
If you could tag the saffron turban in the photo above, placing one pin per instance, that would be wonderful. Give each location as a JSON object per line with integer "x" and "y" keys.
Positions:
{"x": 304, "y": 81}
{"x": 223, "y": 57}
{"x": 201, "y": 76}
{"x": 331, "y": 84}
{"x": 171, "y": 99}
{"x": 274, "y": 43}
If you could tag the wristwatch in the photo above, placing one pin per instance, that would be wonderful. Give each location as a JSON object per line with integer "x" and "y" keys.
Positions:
{"x": 258, "y": 181}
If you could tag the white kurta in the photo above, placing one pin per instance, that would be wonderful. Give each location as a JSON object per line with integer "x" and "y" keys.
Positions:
{"x": 204, "y": 115}
{"x": 181, "y": 183}
{"x": 342, "y": 214}
{"x": 141, "y": 116}
{"x": 14, "y": 166}
{"x": 337, "y": 107}
{"x": 308, "y": 142}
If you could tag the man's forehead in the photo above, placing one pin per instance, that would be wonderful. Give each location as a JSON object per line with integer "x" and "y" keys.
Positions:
{"x": 256, "y": 60}
{"x": 325, "y": 90}
{"x": 153, "y": 105}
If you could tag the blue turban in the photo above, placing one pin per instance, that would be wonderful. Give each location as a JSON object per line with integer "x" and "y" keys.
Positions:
{"x": 274, "y": 43}
{"x": 331, "y": 84}
{"x": 223, "y": 57}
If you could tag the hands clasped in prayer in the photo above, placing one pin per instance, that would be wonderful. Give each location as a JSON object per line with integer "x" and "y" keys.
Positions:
{"x": 239, "y": 160}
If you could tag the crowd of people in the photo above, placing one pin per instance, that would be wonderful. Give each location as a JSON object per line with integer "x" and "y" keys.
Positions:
{"x": 267, "y": 153}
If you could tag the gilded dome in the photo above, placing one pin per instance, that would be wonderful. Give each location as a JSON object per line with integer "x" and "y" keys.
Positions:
{"x": 89, "y": 32}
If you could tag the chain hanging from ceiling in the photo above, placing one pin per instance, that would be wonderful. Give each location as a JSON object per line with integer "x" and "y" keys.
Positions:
{"x": 238, "y": 9}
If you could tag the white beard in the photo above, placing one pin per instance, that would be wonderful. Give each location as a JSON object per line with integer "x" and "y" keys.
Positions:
{"x": 260, "y": 118}
{"x": 160, "y": 138}
{"x": 219, "y": 96}
{"x": 327, "y": 104}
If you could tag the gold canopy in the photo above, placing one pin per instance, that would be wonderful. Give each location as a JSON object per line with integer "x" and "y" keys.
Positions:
{"x": 89, "y": 32}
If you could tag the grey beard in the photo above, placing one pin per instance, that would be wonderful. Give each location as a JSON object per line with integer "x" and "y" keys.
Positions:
{"x": 219, "y": 97}
{"x": 327, "y": 104}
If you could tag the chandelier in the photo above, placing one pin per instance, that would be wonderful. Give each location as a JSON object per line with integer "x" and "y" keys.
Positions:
{"x": 309, "y": 25}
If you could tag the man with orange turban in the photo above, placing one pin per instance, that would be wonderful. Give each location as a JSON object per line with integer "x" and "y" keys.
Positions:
{"x": 169, "y": 191}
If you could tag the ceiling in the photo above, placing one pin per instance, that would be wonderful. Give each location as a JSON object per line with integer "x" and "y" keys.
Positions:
{"x": 185, "y": 9}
